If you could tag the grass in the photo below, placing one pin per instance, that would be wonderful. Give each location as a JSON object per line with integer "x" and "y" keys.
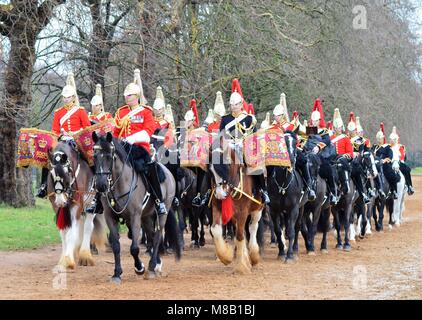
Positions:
{"x": 417, "y": 170}
{"x": 28, "y": 228}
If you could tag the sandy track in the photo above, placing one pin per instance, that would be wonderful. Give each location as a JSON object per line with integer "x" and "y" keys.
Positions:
{"x": 383, "y": 265}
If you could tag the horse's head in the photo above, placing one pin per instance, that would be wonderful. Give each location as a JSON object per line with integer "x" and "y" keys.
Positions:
{"x": 343, "y": 170}
{"x": 64, "y": 170}
{"x": 104, "y": 158}
{"x": 291, "y": 142}
{"x": 313, "y": 163}
{"x": 368, "y": 163}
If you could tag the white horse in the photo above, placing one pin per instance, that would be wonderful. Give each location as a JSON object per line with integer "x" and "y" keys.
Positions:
{"x": 397, "y": 207}
{"x": 68, "y": 185}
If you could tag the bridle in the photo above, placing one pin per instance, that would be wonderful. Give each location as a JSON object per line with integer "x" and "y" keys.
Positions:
{"x": 60, "y": 158}
{"x": 109, "y": 193}
{"x": 292, "y": 152}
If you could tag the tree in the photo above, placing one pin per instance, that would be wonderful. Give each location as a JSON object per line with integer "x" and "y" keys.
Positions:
{"x": 21, "y": 22}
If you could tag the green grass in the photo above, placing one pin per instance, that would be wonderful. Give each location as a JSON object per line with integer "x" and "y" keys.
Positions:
{"x": 28, "y": 228}
{"x": 417, "y": 170}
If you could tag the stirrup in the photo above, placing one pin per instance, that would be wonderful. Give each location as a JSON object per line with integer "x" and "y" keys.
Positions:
{"x": 265, "y": 197}
{"x": 197, "y": 200}
{"x": 161, "y": 208}
{"x": 333, "y": 199}
{"x": 206, "y": 198}
{"x": 42, "y": 191}
{"x": 311, "y": 195}
{"x": 366, "y": 199}
{"x": 395, "y": 195}
{"x": 92, "y": 208}
{"x": 176, "y": 202}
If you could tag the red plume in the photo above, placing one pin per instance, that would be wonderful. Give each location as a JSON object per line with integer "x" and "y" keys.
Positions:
{"x": 195, "y": 112}
{"x": 383, "y": 131}
{"x": 236, "y": 87}
{"x": 227, "y": 210}
{"x": 251, "y": 109}
{"x": 295, "y": 115}
{"x": 318, "y": 107}
{"x": 352, "y": 117}
{"x": 330, "y": 125}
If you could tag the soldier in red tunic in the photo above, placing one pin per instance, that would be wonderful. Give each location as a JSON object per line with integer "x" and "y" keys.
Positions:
{"x": 98, "y": 114}
{"x": 340, "y": 140}
{"x": 67, "y": 120}
{"x": 135, "y": 125}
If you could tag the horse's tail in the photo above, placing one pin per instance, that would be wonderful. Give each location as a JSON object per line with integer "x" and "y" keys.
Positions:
{"x": 174, "y": 235}
{"x": 99, "y": 234}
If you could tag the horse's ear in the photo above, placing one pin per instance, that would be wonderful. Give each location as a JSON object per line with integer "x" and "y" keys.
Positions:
{"x": 94, "y": 136}
{"x": 109, "y": 137}
{"x": 50, "y": 155}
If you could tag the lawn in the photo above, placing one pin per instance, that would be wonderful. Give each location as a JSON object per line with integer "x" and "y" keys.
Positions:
{"x": 417, "y": 170}
{"x": 27, "y": 228}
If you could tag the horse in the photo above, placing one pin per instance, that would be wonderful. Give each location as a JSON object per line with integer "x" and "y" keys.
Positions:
{"x": 235, "y": 197}
{"x": 285, "y": 189}
{"x": 68, "y": 187}
{"x": 380, "y": 202}
{"x": 366, "y": 161}
{"x": 125, "y": 196}
{"x": 396, "y": 207}
{"x": 343, "y": 210}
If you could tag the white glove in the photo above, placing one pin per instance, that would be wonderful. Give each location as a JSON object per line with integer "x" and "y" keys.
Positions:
{"x": 315, "y": 150}
{"x": 396, "y": 166}
{"x": 141, "y": 136}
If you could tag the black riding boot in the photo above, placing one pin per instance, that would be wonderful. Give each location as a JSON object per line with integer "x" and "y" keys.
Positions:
{"x": 405, "y": 169}
{"x": 261, "y": 186}
{"x": 391, "y": 178}
{"x": 326, "y": 172}
{"x": 42, "y": 191}
{"x": 199, "y": 179}
{"x": 379, "y": 185}
{"x": 304, "y": 171}
{"x": 155, "y": 184}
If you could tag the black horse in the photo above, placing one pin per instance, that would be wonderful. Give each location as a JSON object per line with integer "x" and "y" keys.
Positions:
{"x": 285, "y": 189}
{"x": 380, "y": 201}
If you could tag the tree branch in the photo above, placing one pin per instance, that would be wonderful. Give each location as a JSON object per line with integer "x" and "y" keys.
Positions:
{"x": 45, "y": 11}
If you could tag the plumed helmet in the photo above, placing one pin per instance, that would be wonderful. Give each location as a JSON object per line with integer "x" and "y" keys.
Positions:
{"x": 98, "y": 98}
{"x": 189, "y": 116}
{"x": 351, "y": 126}
{"x": 159, "y": 102}
{"x": 219, "y": 105}
{"x": 235, "y": 98}
{"x": 337, "y": 120}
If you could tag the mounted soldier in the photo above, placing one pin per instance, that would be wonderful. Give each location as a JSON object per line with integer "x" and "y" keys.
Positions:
{"x": 135, "y": 125}
{"x": 236, "y": 126}
{"x": 320, "y": 143}
{"x": 98, "y": 114}
{"x": 359, "y": 146}
{"x": 68, "y": 119}
{"x": 400, "y": 149}
{"x": 384, "y": 152}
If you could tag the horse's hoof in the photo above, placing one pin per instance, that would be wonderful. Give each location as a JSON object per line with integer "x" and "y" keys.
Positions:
{"x": 140, "y": 272}
{"x": 390, "y": 227}
{"x": 324, "y": 251}
{"x": 361, "y": 236}
{"x": 289, "y": 261}
{"x": 311, "y": 253}
{"x": 194, "y": 245}
{"x": 273, "y": 245}
{"x": 339, "y": 247}
{"x": 85, "y": 258}
{"x": 68, "y": 263}
{"x": 347, "y": 247}
{"x": 295, "y": 257}
{"x": 150, "y": 275}
{"x": 202, "y": 242}
{"x": 116, "y": 280}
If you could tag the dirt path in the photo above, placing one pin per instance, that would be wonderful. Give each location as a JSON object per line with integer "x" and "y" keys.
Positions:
{"x": 383, "y": 266}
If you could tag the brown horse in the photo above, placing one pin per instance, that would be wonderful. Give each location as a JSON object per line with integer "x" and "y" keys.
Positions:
{"x": 235, "y": 196}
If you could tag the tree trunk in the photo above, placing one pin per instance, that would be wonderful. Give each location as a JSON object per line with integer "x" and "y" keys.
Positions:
{"x": 16, "y": 182}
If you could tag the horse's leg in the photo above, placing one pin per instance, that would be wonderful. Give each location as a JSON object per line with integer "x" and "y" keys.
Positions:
{"x": 85, "y": 256}
{"x": 223, "y": 251}
{"x": 347, "y": 212}
{"x": 381, "y": 209}
{"x": 135, "y": 228}
{"x": 253, "y": 244}
{"x": 72, "y": 236}
{"x": 243, "y": 263}
{"x": 363, "y": 223}
{"x": 337, "y": 226}
{"x": 316, "y": 215}
{"x": 113, "y": 238}
{"x": 290, "y": 220}
{"x": 325, "y": 221}
{"x": 64, "y": 246}
{"x": 275, "y": 218}
{"x": 147, "y": 223}
{"x": 155, "y": 264}
{"x": 202, "y": 234}
{"x": 195, "y": 225}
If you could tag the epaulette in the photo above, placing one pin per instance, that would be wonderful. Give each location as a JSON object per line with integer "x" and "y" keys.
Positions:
{"x": 81, "y": 107}
{"x": 58, "y": 109}
{"x": 147, "y": 107}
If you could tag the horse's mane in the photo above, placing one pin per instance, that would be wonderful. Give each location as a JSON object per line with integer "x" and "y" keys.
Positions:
{"x": 313, "y": 157}
{"x": 119, "y": 149}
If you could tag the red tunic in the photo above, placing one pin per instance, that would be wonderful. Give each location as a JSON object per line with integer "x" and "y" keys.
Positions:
{"x": 77, "y": 121}
{"x": 402, "y": 150}
{"x": 160, "y": 123}
{"x": 285, "y": 126}
{"x": 138, "y": 121}
{"x": 215, "y": 126}
{"x": 100, "y": 117}
{"x": 343, "y": 144}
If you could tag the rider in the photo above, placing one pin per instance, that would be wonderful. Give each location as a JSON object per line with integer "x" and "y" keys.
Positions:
{"x": 404, "y": 168}
{"x": 98, "y": 114}
{"x": 320, "y": 144}
{"x": 281, "y": 123}
{"x": 385, "y": 153}
{"x": 339, "y": 139}
{"x": 238, "y": 124}
{"x": 135, "y": 125}
{"x": 68, "y": 119}
{"x": 359, "y": 145}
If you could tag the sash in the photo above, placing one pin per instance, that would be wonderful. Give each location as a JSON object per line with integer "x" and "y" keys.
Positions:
{"x": 124, "y": 121}
{"x": 337, "y": 139}
{"x": 234, "y": 121}
{"x": 68, "y": 115}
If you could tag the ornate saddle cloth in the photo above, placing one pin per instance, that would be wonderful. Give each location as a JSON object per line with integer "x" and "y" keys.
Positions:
{"x": 33, "y": 147}
{"x": 266, "y": 148}
{"x": 84, "y": 139}
{"x": 196, "y": 149}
